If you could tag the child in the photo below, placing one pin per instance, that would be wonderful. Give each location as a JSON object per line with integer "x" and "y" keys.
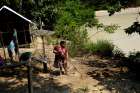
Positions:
{"x": 61, "y": 56}
{"x": 11, "y": 49}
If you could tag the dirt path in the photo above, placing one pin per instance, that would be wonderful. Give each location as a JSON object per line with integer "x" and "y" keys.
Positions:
{"x": 105, "y": 76}
{"x": 94, "y": 75}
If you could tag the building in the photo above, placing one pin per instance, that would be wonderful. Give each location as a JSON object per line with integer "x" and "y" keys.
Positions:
{"x": 10, "y": 20}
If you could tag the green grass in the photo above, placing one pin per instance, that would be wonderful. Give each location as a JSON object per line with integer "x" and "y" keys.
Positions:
{"x": 101, "y": 47}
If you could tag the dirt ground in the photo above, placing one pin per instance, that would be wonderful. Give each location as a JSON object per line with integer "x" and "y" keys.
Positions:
{"x": 86, "y": 75}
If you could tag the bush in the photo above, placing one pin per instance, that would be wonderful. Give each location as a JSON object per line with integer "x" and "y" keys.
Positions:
{"x": 117, "y": 53}
{"x": 73, "y": 17}
{"x": 77, "y": 41}
{"x": 82, "y": 90}
{"x": 133, "y": 62}
{"x": 50, "y": 40}
{"x": 101, "y": 47}
{"x": 88, "y": 47}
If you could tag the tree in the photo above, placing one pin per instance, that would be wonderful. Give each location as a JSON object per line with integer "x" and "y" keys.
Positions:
{"x": 71, "y": 15}
{"x": 45, "y": 11}
{"x": 22, "y": 6}
{"x": 111, "y": 5}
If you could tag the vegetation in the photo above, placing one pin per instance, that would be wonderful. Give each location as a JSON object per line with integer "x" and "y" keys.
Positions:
{"x": 73, "y": 17}
{"x": 47, "y": 10}
{"x": 135, "y": 27}
{"x": 118, "y": 53}
{"x": 111, "y": 5}
{"x": 82, "y": 90}
{"x": 111, "y": 28}
{"x": 101, "y": 47}
{"x": 67, "y": 17}
{"x": 133, "y": 62}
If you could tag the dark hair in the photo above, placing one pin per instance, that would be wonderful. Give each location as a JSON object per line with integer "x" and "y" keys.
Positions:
{"x": 62, "y": 42}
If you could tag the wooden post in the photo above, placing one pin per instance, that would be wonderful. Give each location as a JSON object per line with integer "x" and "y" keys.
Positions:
{"x": 43, "y": 47}
{"x": 32, "y": 40}
{"x": 3, "y": 48}
{"x": 30, "y": 86}
{"x": 15, "y": 32}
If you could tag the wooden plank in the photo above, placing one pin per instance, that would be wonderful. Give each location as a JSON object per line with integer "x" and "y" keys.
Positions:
{"x": 13, "y": 65}
{"x": 41, "y": 60}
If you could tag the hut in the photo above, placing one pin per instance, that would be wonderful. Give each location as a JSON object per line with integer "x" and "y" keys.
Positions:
{"x": 10, "y": 20}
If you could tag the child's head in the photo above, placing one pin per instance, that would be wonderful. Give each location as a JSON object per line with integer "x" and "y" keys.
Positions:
{"x": 62, "y": 43}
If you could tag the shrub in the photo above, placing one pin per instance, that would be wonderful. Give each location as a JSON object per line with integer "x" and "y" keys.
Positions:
{"x": 117, "y": 53}
{"x": 77, "y": 40}
{"x": 111, "y": 28}
{"x": 101, "y": 47}
{"x": 73, "y": 17}
{"x": 82, "y": 90}
{"x": 51, "y": 40}
{"x": 133, "y": 62}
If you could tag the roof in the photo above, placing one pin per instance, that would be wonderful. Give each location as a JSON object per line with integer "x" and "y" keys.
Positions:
{"x": 11, "y": 10}
{"x": 42, "y": 32}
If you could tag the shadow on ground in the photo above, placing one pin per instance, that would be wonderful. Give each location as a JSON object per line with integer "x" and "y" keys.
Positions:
{"x": 112, "y": 77}
{"x": 14, "y": 80}
{"x": 40, "y": 85}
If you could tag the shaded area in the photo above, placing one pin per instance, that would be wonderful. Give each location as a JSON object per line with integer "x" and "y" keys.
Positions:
{"x": 42, "y": 83}
{"x": 111, "y": 76}
{"x": 14, "y": 80}
{"x": 10, "y": 21}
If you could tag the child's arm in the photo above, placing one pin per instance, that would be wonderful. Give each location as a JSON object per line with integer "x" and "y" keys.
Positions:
{"x": 66, "y": 56}
{"x": 55, "y": 50}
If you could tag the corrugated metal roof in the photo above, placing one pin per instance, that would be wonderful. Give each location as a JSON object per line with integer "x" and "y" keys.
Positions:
{"x": 42, "y": 32}
{"x": 11, "y": 10}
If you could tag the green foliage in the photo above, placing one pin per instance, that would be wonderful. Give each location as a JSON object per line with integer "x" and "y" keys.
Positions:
{"x": 70, "y": 24}
{"x": 67, "y": 17}
{"x": 52, "y": 41}
{"x": 82, "y": 90}
{"x": 45, "y": 11}
{"x": 101, "y": 47}
{"x": 72, "y": 15}
{"x": 22, "y": 6}
{"x": 133, "y": 63}
{"x": 135, "y": 27}
{"x": 89, "y": 47}
{"x": 77, "y": 40}
{"x": 111, "y": 28}
{"x": 134, "y": 55}
{"x": 107, "y": 28}
{"x": 111, "y": 5}
{"x": 49, "y": 11}
{"x": 117, "y": 53}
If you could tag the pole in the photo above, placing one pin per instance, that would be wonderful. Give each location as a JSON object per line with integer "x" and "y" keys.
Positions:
{"x": 44, "y": 55}
{"x": 3, "y": 48}
{"x": 30, "y": 86}
{"x": 16, "y": 41}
